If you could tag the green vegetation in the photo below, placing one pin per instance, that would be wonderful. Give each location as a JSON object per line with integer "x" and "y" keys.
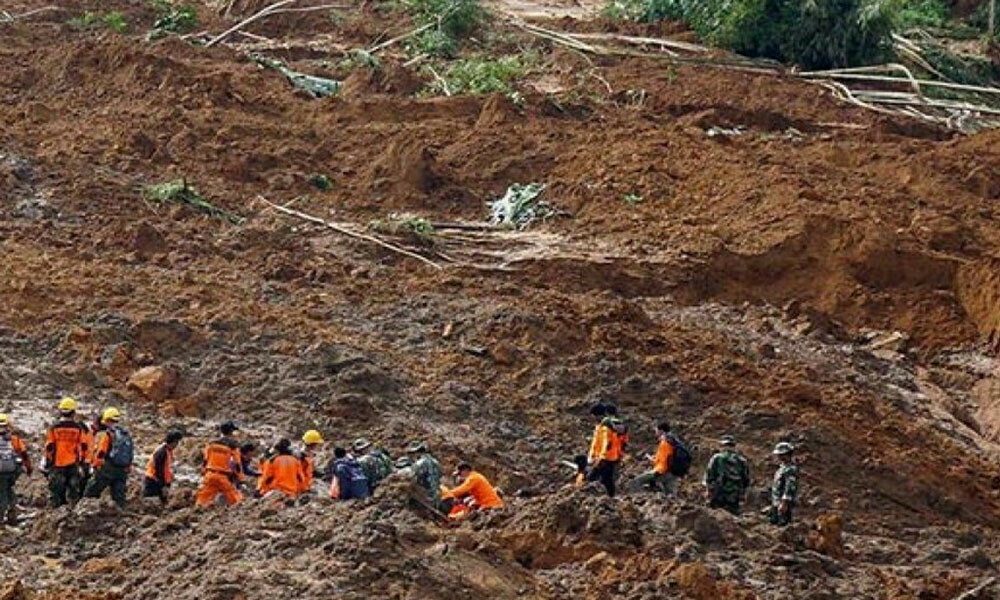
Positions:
{"x": 173, "y": 20}
{"x": 113, "y": 20}
{"x": 178, "y": 192}
{"x": 521, "y": 206}
{"x": 632, "y": 199}
{"x": 922, "y": 13}
{"x": 480, "y": 75}
{"x": 812, "y": 33}
{"x": 448, "y": 22}
{"x": 321, "y": 182}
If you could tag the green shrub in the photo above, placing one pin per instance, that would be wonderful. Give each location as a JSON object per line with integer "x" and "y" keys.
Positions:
{"x": 176, "y": 20}
{"x": 812, "y": 33}
{"x": 452, "y": 20}
{"x": 480, "y": 75}
{"x": 922, "y": 13}
{"x": 114, "y": 20}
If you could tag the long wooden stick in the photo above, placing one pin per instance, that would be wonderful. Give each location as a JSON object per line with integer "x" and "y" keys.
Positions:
{"x": 348, "y": 232}
{"x": 631, "y": 39}
{"x": 400, "y": 38}
{"x": 11, "y": 18}
{"x": 259, "y": 15}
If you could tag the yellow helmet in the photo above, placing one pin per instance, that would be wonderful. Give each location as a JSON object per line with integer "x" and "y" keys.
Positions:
{"x": 4, "y": 420}
{"x": 67, "y": 404}
{"x": 110, "y": 414}
{"x": 312, "y": 437}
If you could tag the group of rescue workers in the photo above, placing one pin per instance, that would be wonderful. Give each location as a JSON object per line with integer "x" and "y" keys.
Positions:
{"x": 82, "y": 459}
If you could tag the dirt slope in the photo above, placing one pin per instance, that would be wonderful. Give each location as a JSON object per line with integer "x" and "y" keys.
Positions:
{"x": 755, "y": 289}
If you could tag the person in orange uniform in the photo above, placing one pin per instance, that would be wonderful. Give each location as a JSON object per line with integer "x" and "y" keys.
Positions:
{"x": 659, "y": 477}
{"x": 283, "y": 472}
{"x": 223, "y": 469}
{"x": 475, "y": 487}
{"x": 159, "y": 469}
{"x": 605, "y": 449}
{"x": 65, "y": 452}
{"x": 313, "y": 441}
{"x": 113, "y": 457}
{"x": 13, "y": 460}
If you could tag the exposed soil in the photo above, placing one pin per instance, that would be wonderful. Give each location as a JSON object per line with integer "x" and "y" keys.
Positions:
{"x": 826, "y": 276}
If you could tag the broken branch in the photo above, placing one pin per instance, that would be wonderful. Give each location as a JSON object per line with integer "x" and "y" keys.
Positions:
{"x": 349, "y": 233}
{"x": 259, "y": 15}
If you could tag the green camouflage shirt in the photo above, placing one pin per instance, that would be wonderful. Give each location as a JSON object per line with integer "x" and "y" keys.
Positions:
{"x": 728, "y": 474}
{"x": 427, "y": 473}
{"x": 785, "y": 485}
{"x": 377, "y": 465}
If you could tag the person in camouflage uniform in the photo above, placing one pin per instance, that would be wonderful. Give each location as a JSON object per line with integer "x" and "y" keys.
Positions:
{"x": 426, "y": 473}
{"x": 785, "y": 486}
{"x": 375, "y": 462}
{"x": 727, "y": 477}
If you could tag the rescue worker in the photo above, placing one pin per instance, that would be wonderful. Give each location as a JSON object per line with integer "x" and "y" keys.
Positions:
{"x": 659, "y": 477}
{"x": 160, "y": 468}
{"x": 65, "y": 452}
{"x": 375, "y": 462}
{"x": 425, "y": 471}
{"x": 283, "y": 472}
{"x": 348, "y": 481}
{"x": 475, "y": 486}
{"x": 248, "y": 453}
{"x": 605, "y": 449}
{"x": 727, "y": 477}
{"x": 785, "y": 486}
{"x": 14, "y": 460}
{"x": 113, "y": 456}
{"x": 223, "y": 469}
{"x": 312, "y": 441}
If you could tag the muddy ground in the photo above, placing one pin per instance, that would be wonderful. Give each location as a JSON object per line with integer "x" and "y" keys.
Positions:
{"x": 829, "y": 277}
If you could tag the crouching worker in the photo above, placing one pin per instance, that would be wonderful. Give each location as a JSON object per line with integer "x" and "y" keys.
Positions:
{"x": 159, "y": 469}
{"x": 349, "y": 481}
{"x": 13, "y": 460}
{"x": 223, "y": 469}
{"x": 282, "y": 472}
{"x": 113, "y": 456}
{"x": 474, "y": 492}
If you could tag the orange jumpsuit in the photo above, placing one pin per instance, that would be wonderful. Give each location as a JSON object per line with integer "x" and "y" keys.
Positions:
{"x": 479, "y": 488}
{"x": 282, "y": 473}
{"x": 308, "y": 471}
{"x": 222, "y": 468}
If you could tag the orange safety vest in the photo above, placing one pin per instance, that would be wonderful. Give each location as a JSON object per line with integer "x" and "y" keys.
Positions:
{"x": 308, "y": 472}
{"x": 168, "y": 460}
{"x": 222, "y": 458}
{"x": 661, "y": 462}
{"x": 282, "y": 473}
{"x": 64, "y": 444}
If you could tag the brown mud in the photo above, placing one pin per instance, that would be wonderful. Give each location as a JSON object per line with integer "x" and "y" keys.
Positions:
{"x": 827, "y": 276}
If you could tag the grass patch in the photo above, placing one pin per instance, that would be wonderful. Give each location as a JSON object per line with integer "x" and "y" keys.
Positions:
{"x": 480, "y": 75}
{"x": 178, "y": 192}
{"x": 89, "y": 21}
{"x": 632, "y": 199}
{"x": 173, "y": 19}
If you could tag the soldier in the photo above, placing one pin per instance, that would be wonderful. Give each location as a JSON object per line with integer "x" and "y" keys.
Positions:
{"x": 727, "y": 477}
{"x": 785, "y": 486}
{"x": 374, "y": 461}
{"x": 426, "y": 473}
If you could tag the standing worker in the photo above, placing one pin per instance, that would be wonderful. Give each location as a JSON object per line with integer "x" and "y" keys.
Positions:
{"x": 659, "y": 477}
{"x": 113, "y": 456}
{"x": 727, "y": 477}
{"x": 785, "y": 486}
{"x": 160, "y": 468}
{"x": 65, "y": 452}
{"x": 282, "y": 472}
{"x": 223, "y": 469}
{"x": 90, "y": 430}
{"x": 13, "y": 460}
{"x": 312, "y": 441}
{"x": 605, "y": 449}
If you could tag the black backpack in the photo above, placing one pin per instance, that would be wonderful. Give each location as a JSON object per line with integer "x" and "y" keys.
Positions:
{"x": 122, "y": 451}
{"x": 680, "y": 462}
{"x": 10, "y": 462}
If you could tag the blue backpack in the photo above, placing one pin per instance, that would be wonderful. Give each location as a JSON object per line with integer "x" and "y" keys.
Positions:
{"x": 122, "y": 451}
{"x": 353, "y": 482}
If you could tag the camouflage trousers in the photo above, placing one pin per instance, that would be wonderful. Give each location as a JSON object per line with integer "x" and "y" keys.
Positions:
{"x": 64, "y": 482}
{"x": 726, "y": 501}
{"x": 780, "y": 519}
{"x": 8, "y": 499}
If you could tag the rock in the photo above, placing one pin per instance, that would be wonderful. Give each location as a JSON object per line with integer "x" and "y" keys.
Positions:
{"x": 155, "y": 383}
{"x": 596, "y": 562}
{"x": 13, "y": 591}
{"x": 827, "y": 536}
